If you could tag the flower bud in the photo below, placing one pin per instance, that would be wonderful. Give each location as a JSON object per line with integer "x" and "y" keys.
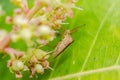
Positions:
{"x": 39, "y": 68}
{"x": 17, "y": 65}
{"x": 20, "y": 20}
{"x": 26, "y": 34}
{"x": 8, "y": 20}
{"x": 18, "y": 11}
{"x": 18, "y": 75}
{"x": 39, "y": 54}
{"x": 44, "y": 30}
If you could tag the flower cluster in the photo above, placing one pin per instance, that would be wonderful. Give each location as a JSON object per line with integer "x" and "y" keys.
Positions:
{"x": 35, "y": 26}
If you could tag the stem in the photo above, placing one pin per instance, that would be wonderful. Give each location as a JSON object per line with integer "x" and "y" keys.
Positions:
{"x": 5, "y": 42}
{"x": 12, "y": 52}
{"x": 34, "y": 10}
{"x": 24, "y": 5}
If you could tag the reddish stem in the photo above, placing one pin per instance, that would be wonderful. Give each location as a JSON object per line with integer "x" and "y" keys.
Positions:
{"x": 5, "y": 42}
{"x": 34, "y": 10}
{"x": 25, "y": 6}
{"x": 13, "y": 52}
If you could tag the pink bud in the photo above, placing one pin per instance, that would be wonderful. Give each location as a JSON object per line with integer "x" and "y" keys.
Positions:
{"x": 26, "y": 10}
{"x": 52, "y": 33}
{"x": 48, "y": 9}
{"x": 15, "y": 28}
{"x": 17, "y": 11}
{"x": 45, "y": 64}
{"x": 25, "y": 7}
{"x": 43, "y": 42}
{"x": 37, "y": 3}
{"x": 9, "y": 63}
{"x": 8, "y": 20}
{"x": 33, "y": 72}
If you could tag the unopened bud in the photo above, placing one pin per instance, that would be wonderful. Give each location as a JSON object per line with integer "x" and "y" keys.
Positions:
{"x": 8, "y": 20}
{"x": 17, "y": 11}
{"x": 17, "y": 65}
{"x": 39, "y": 68}
{"x": 26, "y": 34}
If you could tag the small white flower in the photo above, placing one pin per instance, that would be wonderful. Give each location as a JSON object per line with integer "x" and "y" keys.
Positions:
{"x": 20, "y": 20}
{"x": 17, "y": 65}
{"x": 26, "y": 34}
{"x": 44, "y": 30}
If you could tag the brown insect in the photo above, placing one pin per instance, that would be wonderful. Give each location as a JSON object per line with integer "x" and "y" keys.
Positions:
{"x": 66, "y": 41}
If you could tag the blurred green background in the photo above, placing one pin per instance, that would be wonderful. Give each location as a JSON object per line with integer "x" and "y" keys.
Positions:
{"x": 96, "y": 45}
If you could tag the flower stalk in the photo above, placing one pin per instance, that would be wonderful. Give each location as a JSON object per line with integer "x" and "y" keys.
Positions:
{"x": 36, "y": 27}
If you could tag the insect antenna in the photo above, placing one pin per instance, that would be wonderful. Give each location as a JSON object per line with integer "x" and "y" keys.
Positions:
{"x": 76, "y": 28}
{"x": 78, "y": 8}
{"x": 65, "y": 23}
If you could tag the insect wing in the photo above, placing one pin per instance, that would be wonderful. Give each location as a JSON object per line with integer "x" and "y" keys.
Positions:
{"x": 63, "y": 45}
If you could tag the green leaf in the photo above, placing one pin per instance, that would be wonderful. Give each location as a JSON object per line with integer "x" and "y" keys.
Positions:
{"x": 95, "y": 52}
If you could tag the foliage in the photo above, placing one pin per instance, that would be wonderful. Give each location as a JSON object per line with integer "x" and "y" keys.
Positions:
{"x": 94, "y": 54}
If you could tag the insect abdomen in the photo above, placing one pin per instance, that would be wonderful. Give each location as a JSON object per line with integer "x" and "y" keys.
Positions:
{"x": 63, "y": 45}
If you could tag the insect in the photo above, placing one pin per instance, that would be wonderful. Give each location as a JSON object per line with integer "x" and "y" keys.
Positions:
{"x": 66, "y": 41}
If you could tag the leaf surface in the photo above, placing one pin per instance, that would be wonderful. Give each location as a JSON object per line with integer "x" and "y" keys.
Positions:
{"x": 95, "y": 53}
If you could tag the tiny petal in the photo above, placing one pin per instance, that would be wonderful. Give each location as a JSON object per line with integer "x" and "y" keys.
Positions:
{"x": 9, "y": 63}
{"x": 18, "y": 11}
{"x": 18, "y": 75}
{"x": 45, "y": 64}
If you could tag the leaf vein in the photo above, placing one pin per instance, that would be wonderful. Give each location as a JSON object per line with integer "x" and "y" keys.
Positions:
{"x": 97, "y": 34}
{"x": 111, "y": 68}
